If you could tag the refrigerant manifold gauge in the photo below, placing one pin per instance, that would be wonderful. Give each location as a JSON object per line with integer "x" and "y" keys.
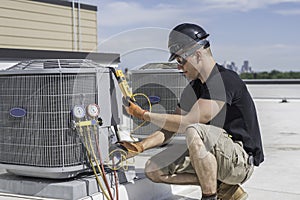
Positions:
{"x": 78, "y": 112}
{"x": 93, "y": 110}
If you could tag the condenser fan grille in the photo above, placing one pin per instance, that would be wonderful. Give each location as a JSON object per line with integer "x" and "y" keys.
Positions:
{"x": 166, "y": 103}
{"x": 163, "y": 87}
{"x": 42, "y": 137}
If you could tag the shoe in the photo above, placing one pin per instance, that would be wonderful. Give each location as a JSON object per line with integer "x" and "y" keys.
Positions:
{"x": 231, "y": 192}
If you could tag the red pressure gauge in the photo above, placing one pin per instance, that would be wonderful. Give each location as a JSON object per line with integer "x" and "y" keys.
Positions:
{"x": 93, "y": 110}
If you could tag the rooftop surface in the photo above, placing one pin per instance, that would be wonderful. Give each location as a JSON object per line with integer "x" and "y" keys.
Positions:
{"x": 278, "y": 176}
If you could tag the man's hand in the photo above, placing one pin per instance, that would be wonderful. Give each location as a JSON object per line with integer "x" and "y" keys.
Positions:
{"x": 135, "y": 110}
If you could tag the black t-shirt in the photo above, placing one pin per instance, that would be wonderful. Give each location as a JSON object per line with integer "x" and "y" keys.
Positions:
{"x": 238, "y": 116}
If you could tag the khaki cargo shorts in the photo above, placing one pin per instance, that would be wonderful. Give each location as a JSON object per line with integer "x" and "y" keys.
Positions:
{"x": 232, "y": 160}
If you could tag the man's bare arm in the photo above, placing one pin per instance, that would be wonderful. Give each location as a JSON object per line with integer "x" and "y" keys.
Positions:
{"x": 202, "y": 112}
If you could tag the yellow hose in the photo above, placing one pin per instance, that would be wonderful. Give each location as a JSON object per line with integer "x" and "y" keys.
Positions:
{"x": 92, "y": 165}
{"x": 150, "y": 108}
{"x": 95, "y": 158}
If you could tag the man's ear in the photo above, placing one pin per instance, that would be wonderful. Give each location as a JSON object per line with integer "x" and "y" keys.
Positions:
{"x": 198, "y": 55}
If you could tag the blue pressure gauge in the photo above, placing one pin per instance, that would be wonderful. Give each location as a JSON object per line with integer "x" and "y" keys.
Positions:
{"x": 78, "y": 111}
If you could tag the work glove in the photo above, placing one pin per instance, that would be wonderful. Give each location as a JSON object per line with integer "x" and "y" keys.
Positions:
{"x": 134, "y": 110}
{"x": 127, "y": 149}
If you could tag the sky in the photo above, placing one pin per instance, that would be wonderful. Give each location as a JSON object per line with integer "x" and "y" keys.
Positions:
{"x": 264, "y": 32}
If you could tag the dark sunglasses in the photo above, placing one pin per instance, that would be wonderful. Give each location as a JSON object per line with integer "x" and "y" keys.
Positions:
{"x": 180, "y": 60}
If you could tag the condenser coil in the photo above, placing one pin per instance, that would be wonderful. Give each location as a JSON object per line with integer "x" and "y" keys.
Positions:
{"x": 36, "y": 100}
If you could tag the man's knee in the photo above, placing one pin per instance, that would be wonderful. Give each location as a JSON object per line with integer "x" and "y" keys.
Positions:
{"x": 196, "y": 131}
{"x": 152, "y": 172}
{"x": 195, "y": 143}
{"x": 193, "y": 139}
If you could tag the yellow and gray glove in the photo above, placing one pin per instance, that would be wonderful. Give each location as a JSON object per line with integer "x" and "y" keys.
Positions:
{"x": 135, "y": 110}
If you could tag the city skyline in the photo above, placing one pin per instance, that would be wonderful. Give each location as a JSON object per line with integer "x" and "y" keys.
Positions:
{"x": 244, "y": 68}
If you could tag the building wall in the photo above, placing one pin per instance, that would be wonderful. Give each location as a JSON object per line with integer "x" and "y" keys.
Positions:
{"x": 33, "y": 24}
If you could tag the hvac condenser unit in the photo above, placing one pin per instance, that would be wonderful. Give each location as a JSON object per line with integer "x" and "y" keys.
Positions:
{"x": 36, "y": 102}
{"x": 163, "y": 87}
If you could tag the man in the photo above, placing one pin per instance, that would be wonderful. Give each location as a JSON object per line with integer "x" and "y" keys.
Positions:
{"x": 217, "y": 116}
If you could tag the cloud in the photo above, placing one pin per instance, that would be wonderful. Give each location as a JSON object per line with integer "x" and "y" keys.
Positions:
{"x": 288, "y": 12}
{"x": 139, "y": 13}
{"x": 136, "y": 39}
{"x": 241, "y": 5}
{"x": 123, "y": 13}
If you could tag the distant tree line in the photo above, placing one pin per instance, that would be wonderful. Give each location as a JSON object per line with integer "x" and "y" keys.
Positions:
{"x": 274, "y": 74}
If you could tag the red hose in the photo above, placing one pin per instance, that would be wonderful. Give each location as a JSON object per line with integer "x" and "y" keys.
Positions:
{"x": 102, "y": 168}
